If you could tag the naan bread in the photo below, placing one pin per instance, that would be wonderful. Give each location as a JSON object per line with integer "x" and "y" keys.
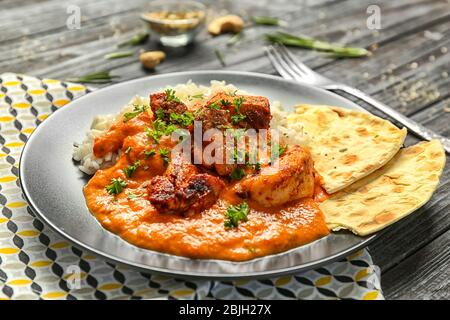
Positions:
{"x": 347, "y": 145}
{"x": 403, "y": 185}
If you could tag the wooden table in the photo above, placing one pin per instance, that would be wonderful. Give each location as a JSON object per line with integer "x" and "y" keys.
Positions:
{"x": 408, "y": 71}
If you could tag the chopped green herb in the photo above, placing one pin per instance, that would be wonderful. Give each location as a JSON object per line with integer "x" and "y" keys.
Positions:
{"x": 171, "y": 95}
{"x": 135, "y": 40}
{"x": 138, "y": 109}
{"x": 118, "y": 55}
{"x": 281, "y": 150}
{"x": 214, "y": 106}
{"x": 235, "y": 119}
{"x": 185, "y": 119}
{"x": 267, "y": 21}
{"x": 116, "y": 186}
{"x": 237, "y": 174}
{"x": 235, "y": 214}
{"x": 238, "y": 103}
{"x": 159, "y": 113}
{"x": 198, "y": 96}
{"x": 131, "y": 169}
{"x": 219, "y": 56}
{"x": 225, "y": 103}
{"x": 238, "y": 117}
{"x": 128, "y": 150}
{"x": 159, "y": 129}
{"x": 149, "y": 153}
{"x": 164, "y": 153}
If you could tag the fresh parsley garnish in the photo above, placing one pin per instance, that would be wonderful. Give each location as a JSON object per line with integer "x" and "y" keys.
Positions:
{"x": 185, "y": 119}
{"x": 149, "y": 153}
{"x": 131, "y": 168}
{"x": 281, "y": 150}
{"x": 171, "y": 95}
{"x": 238, "y": 103}
{"x": 214, "y": 106}
{"x": 159, "y": 129}
{"x": 138, "y": 109}
{"x": 164, "y": 153}
{"x": 198, "y": 96}
{"x": 116, "y": 186}
{"x": 225, "y": 103}
{"x": 159, "y": 113}
{"x": 235, "y": 214}
{"x": 238, "y": 117}
{"x": 237, "y": 174}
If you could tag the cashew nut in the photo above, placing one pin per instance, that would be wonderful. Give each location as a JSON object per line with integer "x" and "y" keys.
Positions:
{"x": 230, "y": 23}
{"x": 151, "y": 59}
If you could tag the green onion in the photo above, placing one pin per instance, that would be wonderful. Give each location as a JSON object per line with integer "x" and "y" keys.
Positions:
{"x": 310, "y": 43}
{"x": 234, "y": 39}
{"x": 135, "y": 40}
{"x": 220, "y": 57}
{"x": 118, "y": 55}
{"x": 267, "y": 21}
{"x": 96, "y": 77}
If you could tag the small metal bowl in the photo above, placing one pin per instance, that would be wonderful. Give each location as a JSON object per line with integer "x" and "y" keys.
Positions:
{"x": 175, "y": 23}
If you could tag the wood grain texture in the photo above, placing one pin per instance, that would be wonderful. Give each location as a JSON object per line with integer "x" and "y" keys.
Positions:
{"x": 407, "y": 70}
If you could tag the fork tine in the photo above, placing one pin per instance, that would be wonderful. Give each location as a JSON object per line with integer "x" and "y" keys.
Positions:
{"x": 281, "y": 66}
{"x": 299, "y": 66}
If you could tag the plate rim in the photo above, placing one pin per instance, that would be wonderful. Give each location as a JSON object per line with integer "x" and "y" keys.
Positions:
{"x": 182, "y": 274}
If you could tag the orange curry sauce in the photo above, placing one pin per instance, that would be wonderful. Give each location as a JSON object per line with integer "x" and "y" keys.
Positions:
{"x": 131, "y": 215}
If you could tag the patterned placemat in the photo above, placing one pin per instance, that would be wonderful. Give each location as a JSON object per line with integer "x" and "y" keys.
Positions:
{"x": 36, "y": 263}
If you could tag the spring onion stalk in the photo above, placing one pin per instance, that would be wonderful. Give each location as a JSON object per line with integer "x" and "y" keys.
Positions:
{"x": 310, "y": 43}
{"x": 220, "y": 57}
{"x": 137, "y": 39}
{"x": 266, "y": 21}
{"x": 96, "y": 77}
{"x": 118, "y": 55}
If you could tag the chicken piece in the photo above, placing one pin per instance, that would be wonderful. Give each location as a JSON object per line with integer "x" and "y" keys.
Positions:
{"x": 221, "y": 112}
{"x": 183, "y": 189}
{"x": 291, "y": 178}
{"x": 256, "y": 109}
{"x": 160, "y": 100}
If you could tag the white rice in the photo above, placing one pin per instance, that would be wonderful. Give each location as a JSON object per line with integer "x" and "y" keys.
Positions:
{"x": 189, "y": 93}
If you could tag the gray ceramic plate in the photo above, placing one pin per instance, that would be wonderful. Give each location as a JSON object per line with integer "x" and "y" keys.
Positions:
{"x": 53, "y": 184}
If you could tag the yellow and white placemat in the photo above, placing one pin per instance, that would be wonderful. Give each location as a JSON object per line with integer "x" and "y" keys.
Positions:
{"x": 36, "y": 263}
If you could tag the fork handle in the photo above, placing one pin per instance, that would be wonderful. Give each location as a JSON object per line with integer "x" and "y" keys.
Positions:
{"x": 410, "y": 124}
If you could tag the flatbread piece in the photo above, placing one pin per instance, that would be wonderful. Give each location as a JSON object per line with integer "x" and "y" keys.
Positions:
{"x": 402, "y": 186}
{"x": 347, "y": 145}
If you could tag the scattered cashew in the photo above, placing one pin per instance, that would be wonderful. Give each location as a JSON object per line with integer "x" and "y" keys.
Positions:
{"x": 229, "y": 23}
{"x": 151, "y": 59}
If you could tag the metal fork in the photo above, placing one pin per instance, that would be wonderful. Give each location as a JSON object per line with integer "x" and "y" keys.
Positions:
{"x": 289, "y": 67}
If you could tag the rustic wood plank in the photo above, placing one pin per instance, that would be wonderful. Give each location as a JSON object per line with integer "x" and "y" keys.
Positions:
{"x": 423, "y": 275}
